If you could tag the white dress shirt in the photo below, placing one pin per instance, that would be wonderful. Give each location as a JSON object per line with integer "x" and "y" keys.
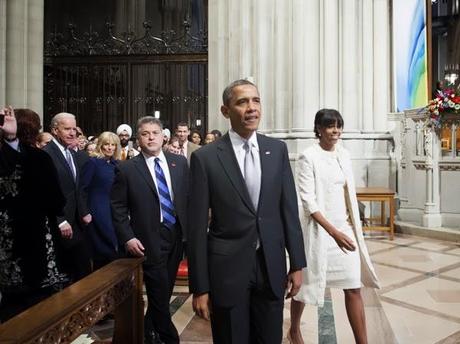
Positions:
{"x": 63, "y": 149}
{"x": 238, "y": 147}
{"x": 150, "y": 160}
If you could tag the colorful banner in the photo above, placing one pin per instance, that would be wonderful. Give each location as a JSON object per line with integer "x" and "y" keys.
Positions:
{"x": 410, "y": 54}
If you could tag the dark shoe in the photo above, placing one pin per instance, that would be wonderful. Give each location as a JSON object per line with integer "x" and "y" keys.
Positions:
{"x": 152, "y": 338}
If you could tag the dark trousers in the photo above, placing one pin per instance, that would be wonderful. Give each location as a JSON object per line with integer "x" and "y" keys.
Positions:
{"x": 257, "y": 318}
{"x": 159, "y": 283}
{"x": 77, "y": 260}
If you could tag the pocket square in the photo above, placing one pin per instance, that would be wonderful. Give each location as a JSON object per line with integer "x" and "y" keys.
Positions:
{"x": 173, "y": 164}
{"x": 268, "y": 152}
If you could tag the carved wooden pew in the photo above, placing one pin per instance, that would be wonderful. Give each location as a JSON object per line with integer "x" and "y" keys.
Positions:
{"x": 61, "y": 318}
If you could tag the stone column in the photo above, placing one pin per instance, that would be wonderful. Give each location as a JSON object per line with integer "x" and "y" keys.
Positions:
{"x": 2, "y": 52}
{"x": 432, "y": 217}
{"x": 367, "y": 58}
{"x": 381, "y": 65}
{"x": 23, "y": 54}
{"x": 305, "y": 80}
{"x": 351, "y": 85}
{"x": 303, "y": 55}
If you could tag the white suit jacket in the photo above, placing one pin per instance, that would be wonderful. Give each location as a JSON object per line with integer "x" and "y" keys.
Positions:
{"x": 311, "y": 190}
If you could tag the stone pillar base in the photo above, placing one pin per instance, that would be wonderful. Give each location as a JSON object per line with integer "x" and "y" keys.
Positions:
{"x": 432, "y": 220}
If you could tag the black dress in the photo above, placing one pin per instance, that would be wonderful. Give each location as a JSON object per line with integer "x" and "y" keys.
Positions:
{"x": 30, "y": 198}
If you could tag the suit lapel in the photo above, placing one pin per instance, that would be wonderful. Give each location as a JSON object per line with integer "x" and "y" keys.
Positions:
{"x": 174, "y": 174}
{"x": 265, "y": 156}
{"x": 228, "y": 160}
{"x": 141, "y": 166}
{"x": 60, "y": 156}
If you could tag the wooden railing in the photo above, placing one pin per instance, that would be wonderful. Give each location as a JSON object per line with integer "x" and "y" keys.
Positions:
{"x": 61, "y": 318}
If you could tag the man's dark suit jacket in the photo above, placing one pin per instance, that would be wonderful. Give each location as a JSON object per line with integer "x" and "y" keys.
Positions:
{"x": 69, "y": 188}
{"x": 221, "y": 260}
{"x": 135, "y": 203}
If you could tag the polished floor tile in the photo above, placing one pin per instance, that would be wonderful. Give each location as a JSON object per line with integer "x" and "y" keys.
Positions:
{"x": 390, "y": 276}
{"x": 377, "y": 245}
{"x": 419, "y": 302}
{"x": 410, "y": 258}
{"x": 455, "y": 251}
{"x": 412, "y": 327}
{"x": 431, "y": 294}
{"x": 454, "y": 273}
{"x": 434, "y": 246}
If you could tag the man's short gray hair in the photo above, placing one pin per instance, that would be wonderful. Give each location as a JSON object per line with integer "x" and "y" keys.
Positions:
{"x": 60, "y": 117}
{"x": 228, "y": 92}
{"x": 148, "y": 119}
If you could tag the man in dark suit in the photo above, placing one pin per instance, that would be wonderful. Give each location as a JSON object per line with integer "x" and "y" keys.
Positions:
{"x": 76, "y": 253}
{"x": 237, "y": 269}
{"x": 149, "y": 214}
{"x": 186, "y": 147}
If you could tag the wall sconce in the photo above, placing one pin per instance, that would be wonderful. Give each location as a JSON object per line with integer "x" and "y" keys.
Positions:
{"x": 157, "y": 114}
{"x": 198, "y": 122}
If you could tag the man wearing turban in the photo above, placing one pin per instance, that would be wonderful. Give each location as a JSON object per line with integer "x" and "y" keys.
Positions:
{"x": 125, "y": 132}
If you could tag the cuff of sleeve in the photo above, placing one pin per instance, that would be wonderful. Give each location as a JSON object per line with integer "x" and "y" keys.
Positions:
{"x": 63, "y": 224}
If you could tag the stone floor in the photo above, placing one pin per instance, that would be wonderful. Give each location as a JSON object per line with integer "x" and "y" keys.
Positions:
{"x": 419, "y": 301}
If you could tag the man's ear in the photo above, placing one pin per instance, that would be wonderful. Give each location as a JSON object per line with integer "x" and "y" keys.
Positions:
{"x": 224, "y": 110}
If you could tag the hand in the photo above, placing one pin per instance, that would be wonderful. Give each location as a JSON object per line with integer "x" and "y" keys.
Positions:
{"x": 9, "y": 126}
{"x": 87, "y": 219}
{"x": 130, "y": 153}
{"x": 294, "y": 281}
{"x": 134, "y": 247}
{"x": 343, "y": 241}
{"x": 66, "y": 231}
{"x": 201, "y": 305}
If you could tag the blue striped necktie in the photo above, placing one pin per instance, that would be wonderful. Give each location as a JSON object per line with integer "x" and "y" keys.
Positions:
{"x": 167, "y": 206}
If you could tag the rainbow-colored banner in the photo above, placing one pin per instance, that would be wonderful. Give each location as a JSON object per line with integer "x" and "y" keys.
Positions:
{"x": 410, "y": 54}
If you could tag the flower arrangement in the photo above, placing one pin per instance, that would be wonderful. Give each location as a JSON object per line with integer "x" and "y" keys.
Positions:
{"x": 447, "y": 101}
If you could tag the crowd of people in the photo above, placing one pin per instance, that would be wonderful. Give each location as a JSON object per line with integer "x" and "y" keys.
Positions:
{"x": 70, "y": 204}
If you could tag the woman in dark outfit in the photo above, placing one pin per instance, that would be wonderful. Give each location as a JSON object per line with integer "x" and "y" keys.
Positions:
{"x": 96, "y": 182}
{"x": 30, "y": 198}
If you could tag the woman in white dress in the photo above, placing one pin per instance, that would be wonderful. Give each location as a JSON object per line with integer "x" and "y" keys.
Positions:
{"x": 335, "y": 249}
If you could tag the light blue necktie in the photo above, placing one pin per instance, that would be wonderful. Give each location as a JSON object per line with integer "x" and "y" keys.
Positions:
{"x": 166, "y": 205}
{"x": 68, "y": 158}
{"x": 252, "y": 174}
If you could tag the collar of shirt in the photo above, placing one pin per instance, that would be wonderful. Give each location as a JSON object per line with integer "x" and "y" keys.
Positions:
{"x": 61, "y": 147}
{"x": 151, "y": 159}
{"x": 238, "y": 142}
{"x": 184, "y": 147}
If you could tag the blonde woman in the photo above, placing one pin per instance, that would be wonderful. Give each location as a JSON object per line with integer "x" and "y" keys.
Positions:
{"x": 335, "y": 249}
{"x": 96, "y": 182}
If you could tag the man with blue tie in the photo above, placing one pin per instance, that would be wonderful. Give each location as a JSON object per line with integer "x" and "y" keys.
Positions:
{"x": 149, "y": 202}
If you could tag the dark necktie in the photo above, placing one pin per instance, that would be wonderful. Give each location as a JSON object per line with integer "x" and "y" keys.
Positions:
{"x": 68, "y": 158}
{"x": 167, "y": 206}
{"x": 252, "y": 174}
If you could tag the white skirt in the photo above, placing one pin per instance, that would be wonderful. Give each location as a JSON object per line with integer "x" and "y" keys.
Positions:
{"x": 343, "y": 269}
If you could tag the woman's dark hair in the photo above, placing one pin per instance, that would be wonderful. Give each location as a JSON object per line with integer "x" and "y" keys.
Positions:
{"x": 28, "y": 126}
{"x": 327, "y": 117}
{"x": 195, "y": 132}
